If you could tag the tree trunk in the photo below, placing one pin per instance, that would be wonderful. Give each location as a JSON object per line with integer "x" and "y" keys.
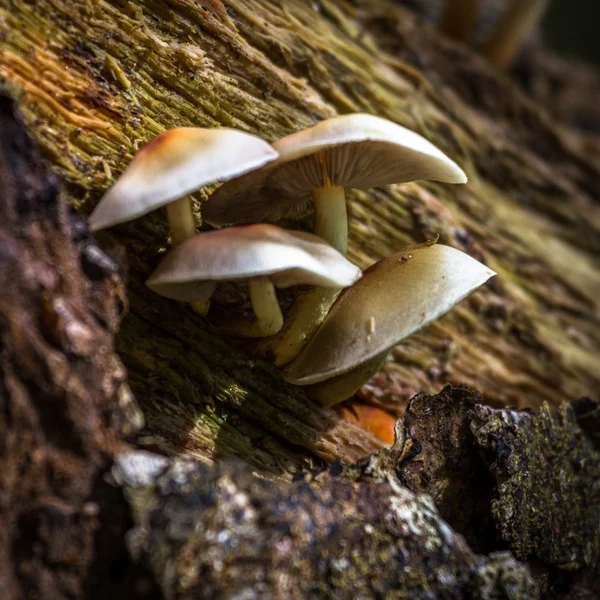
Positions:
{"x": 95, "y": 79}
{"x": 64, "y": 400}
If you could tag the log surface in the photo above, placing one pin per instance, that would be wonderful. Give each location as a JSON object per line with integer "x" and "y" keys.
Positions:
{"x": 371, "y": 530}
{"x": 97, "y": 79}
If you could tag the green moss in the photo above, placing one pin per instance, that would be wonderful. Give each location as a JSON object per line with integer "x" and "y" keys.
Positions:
{"x": 546, "y": 506}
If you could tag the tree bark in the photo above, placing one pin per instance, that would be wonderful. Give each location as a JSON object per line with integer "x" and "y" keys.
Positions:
{"x": 370, "y": 530}
{"x": 64, "y": 400}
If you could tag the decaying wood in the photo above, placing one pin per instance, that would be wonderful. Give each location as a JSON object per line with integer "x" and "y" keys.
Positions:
{"x": 335, "y": 538}
{"x": 509, "y": 480}
{"x": 96, "y": 79}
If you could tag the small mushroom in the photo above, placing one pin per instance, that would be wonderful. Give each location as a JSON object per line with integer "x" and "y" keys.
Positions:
{"x": 354, "y": 151}
{"x": 459, "y": 18}
{"x": 507, "y": 37}
{"x": 265, "y": 255}
{"x": 395, "y": 297}
{"x": 173, "y": 165}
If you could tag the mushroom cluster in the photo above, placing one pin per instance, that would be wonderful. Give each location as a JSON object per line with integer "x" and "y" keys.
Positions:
{"x": 264, "y": 255}
{"x": 335, "y": 338}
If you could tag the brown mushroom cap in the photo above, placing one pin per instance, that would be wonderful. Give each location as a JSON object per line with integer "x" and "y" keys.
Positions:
{"x": 358, "y": 151}
{"x": 175, "y": 164}
{"x": 395, "y": 297}
{"x": 287, "y": 257}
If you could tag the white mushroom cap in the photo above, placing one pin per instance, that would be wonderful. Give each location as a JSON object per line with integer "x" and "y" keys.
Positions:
{"x": 358, "y": 150}
{"x": 176, "y": 163}
{"x": 395, "y": 297}
{"x": 287, "y": 257}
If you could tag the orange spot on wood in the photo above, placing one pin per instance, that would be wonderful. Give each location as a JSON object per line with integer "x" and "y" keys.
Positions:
{"x": 375, "y": 420}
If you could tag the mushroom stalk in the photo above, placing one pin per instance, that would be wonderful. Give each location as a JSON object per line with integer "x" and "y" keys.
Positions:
{"x": 340, "y": 388}
{"x": 308, "y": 312}
{"x": 331, "y": 222}
{"x": 265, "y": 305}
{"x": 459, "y": 18}
{"x": 181, "y": 220}
{"x": 201, "y": 306}
{"x": 183, "y": 226}
{"x": 267, "y": 311}
{"x": 507, "y": 36}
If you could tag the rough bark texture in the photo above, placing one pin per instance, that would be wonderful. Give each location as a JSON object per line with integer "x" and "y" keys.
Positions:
{"x": 331, "y": 538}
{"x": 370, "y": 530}
{"x": 503, "y": 478}
{"x": 64, "y": 403}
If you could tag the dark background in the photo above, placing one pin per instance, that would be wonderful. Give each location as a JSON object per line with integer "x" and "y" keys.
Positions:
{"x": 573, "y": 27}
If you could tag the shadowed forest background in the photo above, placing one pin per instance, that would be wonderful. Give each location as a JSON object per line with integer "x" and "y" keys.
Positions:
{"x": 570, "y": 28}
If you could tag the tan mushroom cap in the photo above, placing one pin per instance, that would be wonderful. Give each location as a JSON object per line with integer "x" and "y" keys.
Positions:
{"x": 287, "y": 257}
{"x": 395, "y": 297}
{"x": 358, "y": 150}
{"x": 175, "y": 164}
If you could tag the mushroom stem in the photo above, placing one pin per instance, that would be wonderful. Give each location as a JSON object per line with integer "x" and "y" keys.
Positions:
{"x": 507, "y": 36}
{"x": 340, "y": 388}
{"x": 331, "y": 221}
{"x": 265, "y": 305}
{"x": 266, "y": 309}
{"x": 201, "y": 306}
{"x": 308, "y": 312}
{"x": 183, "y": 226}
{"x": 181, "y": 220}
{"x": 459, "y": 18}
